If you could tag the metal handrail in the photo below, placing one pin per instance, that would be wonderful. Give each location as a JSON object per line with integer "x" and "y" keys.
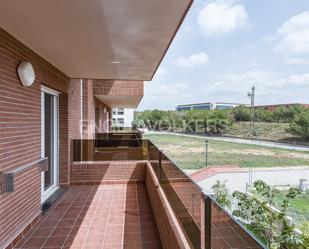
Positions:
{"x": 7, "y": 177}
{"x": 25, "y": 167}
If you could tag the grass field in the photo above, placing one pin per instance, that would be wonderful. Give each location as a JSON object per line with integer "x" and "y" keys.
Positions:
{"x": 265, "y": 131}
{"x": 189, "y": 153}
{"x": 299, "y": 208}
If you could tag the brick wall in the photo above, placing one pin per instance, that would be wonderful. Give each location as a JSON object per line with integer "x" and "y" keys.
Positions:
{"x": 74, "y": 108}
{"x": 107, "y": 172}
{"x": 88, "y": 110}
{"x": 103, "y": 120}
{"x": 63, "y": 140}
{"x": 20, "y": 132}
{"x": 118, "y": 87}
{"x": 169, "y": 235}
{"x": 17, "y": 210}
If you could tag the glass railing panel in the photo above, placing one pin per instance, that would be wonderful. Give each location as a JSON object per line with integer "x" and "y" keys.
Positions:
{"x": 107, "y": 150}
{"x": 187, "y": 201}
{"x": 228, "y": 233}
{"x": 153, "y": 157}
{"x": 183, "y": 195}
{"x": 118, "y": 135}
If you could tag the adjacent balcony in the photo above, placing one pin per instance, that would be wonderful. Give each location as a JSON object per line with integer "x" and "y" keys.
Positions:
{"x": 126, "y": 193}
{"x": 117, "y": 93}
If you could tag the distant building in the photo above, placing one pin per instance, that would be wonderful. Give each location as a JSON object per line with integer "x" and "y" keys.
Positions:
{"x": 273, "y": 107}
{"x": 207, "y": 106}
{"x": 123, "y": 117}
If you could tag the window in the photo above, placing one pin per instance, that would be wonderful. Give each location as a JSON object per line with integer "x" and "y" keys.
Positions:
{"x": 120, "y": 111}
{"x": 224, "y": 107}
{"x": 184, "y": 108}
{"x": 120, "y": 121}
{"x": 201, "y": 107}
{"x": 114, "y": 111}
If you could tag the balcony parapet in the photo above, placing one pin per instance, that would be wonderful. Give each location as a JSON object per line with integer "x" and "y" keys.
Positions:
{"x": 118, "y": 88}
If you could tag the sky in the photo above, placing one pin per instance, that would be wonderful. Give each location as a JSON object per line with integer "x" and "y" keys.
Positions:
{"x": 224, "y": 47}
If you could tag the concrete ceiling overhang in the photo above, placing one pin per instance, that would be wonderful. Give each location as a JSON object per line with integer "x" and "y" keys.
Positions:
{"x": 98, "y": 39}
{"x": 130, "y": 102}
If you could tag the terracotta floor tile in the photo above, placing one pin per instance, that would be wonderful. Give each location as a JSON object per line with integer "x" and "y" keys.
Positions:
{"x": 132, "y": 238}
{"x": 97, "y": 217}
{"x": 42, "y": 232}
{"x": 55, "y": 241}
{"x": 113, "y": 238}
{"x": 91, "y": 240}
{"x": 48, "y": 223}
{"x": 34, "y": 243}
{"x": 112, "y": 246}
{"x": 236, "y": 242}
{"x": 151, "y": 245}
{"x": 133, "y": 246}
{"x": 114, "y": 228}
{"x": 61, "y": 231}
{"x": 66, "y": 223}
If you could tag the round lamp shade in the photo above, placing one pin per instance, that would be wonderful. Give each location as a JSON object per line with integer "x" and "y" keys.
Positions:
{"x": 26, "y": 73}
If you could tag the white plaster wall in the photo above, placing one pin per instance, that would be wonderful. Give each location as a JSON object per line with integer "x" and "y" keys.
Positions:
{"x": 128, "y": 116}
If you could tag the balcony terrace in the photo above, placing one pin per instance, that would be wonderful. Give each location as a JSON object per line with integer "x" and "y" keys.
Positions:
{"x": 144, "y": 201}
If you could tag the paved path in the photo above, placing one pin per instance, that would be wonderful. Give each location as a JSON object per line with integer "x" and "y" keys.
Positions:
{"x": 237, "y": 180}
{"x": 240, "y": 141}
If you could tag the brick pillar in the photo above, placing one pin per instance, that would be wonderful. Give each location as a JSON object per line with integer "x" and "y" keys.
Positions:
{"x": 88, "y": 110}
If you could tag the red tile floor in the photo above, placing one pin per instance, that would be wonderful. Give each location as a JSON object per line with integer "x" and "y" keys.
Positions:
{"x": 97, "y": 217}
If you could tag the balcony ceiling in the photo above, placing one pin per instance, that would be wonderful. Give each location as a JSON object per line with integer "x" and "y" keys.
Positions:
{"x": 120, "y": 101}
{"x": 102, "y": 39}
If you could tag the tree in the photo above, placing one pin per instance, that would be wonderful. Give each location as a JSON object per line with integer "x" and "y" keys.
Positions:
{"x": 282, "y": 114}
{"x": 195, "y": 120}
{"x": 219, "y": 121}
{"x": 221, "y": 193}
{"x": 216, "y": 121}
{"x": 241, "y": 113}
{"x": 263, "y": 115}
{"x": 279, "y": 114}
{"x": 292, "y": 111}
{"x": 269, "y": 225}
{"x": 300, "y": 125}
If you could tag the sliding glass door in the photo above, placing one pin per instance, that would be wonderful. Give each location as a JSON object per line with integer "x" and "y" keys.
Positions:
{"x": 49, "y": 130}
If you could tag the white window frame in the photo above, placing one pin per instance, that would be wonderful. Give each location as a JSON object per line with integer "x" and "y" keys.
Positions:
{"x": 120, "y": 111}
{"x": 45, "y": 194}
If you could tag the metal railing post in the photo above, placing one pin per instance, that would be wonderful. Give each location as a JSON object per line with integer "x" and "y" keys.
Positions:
{"x": 160, "y": 165}
{"x": 206, "y": 159}
{"x": 207, "y": 223}
{"x": 145, "y": 148}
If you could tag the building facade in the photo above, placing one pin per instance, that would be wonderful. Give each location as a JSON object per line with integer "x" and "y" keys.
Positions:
{"x": 207, "y": 106}
{"x": 122, "y": 117}
{"x": 67, "y": 181}
{"x": 63, "y": 66}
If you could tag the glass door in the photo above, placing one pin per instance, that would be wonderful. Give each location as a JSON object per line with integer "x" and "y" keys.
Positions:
{"x": 49, "y": 109}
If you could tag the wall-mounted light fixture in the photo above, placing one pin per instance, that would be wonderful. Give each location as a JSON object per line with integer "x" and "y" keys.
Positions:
{"x": 26, "y": 73}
